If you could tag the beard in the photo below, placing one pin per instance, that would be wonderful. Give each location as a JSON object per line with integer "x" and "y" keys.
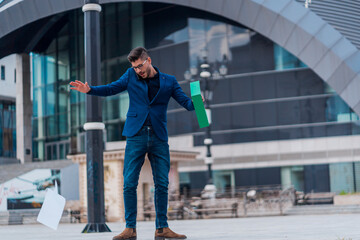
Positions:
{"x": 144, "y": 74}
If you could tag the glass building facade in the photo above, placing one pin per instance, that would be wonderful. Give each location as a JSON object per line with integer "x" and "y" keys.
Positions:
{"x": 268, "y": 94}
{"x": 7, "y": 129}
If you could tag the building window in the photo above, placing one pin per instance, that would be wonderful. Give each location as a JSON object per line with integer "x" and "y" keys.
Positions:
{"x": 7, "y": 130}
{"x": 2, "y": 72}
{"x": 285, "y": 60}
{"x": 14, "y": 75}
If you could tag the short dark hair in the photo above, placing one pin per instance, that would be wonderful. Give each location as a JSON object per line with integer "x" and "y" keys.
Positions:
{"x": 136, "y": 53}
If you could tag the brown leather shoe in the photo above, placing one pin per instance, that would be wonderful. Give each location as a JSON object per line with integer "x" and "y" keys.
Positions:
{"x": 166, "y": 233}
{"x": 127, "y": 234}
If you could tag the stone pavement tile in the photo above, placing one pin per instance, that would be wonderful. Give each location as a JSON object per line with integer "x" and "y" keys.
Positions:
{"x": 306, "y": 227}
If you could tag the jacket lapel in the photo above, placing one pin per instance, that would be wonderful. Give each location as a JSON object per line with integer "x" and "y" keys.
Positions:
{"x": 162, "y": 82}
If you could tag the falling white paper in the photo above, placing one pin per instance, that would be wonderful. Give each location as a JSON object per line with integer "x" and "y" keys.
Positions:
{"x": 52, "y": 208}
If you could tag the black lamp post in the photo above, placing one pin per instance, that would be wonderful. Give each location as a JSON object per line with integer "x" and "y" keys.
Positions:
{"x": 207, "y": 77}
{"x": 94, "y": 126}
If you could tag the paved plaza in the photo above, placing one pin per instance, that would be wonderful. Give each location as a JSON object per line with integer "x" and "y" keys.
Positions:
{"x": 304, "y": 227}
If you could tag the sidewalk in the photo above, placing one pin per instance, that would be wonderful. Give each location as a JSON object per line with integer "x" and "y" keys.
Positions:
{"x": 309, "y": 227}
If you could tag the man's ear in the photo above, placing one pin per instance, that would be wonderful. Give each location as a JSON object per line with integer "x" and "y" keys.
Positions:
{"x": 149, "y": 60}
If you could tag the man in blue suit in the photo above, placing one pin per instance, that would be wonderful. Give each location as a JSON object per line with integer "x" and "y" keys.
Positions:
{"x": 145, "y": 128}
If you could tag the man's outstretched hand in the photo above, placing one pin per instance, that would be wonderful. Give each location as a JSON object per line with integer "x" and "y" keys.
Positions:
{"x": 80, "y": 86}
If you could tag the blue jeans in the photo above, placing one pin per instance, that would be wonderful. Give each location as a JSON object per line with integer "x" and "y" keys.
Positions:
{"x": 146, "y": 141}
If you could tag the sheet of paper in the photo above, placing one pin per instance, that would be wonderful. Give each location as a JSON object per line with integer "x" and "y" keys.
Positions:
{"x": 52, "y": 208}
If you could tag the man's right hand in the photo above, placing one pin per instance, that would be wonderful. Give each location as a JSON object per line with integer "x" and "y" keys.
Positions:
{"x": 79, "y": 86}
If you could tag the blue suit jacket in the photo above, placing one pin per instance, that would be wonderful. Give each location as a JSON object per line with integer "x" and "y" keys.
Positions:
{"x": 140, "y": 106}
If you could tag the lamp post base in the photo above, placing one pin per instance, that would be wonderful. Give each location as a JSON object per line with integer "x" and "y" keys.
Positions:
{"x": 96, "y": 227}
{"x": 209, "y": 191}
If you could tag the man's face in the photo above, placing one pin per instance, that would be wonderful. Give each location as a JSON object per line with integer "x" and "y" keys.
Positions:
{"x": 142, "y": 67}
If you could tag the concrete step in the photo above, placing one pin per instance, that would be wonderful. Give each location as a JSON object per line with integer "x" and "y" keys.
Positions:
{"x": 322, "y": 209}
{"x": 4, "y": 218}
{"x": 26, "y": 216}
{"x": 23, "y": 215}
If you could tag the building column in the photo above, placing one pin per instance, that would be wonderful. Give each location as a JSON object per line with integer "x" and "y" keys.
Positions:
{"x": 23, "y": 109}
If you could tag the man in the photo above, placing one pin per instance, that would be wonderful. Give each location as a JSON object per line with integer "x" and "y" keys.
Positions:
{"x": 145, "y": 128}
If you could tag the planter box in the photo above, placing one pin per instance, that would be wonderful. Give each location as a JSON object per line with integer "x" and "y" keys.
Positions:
{"x": 347, "y": 199}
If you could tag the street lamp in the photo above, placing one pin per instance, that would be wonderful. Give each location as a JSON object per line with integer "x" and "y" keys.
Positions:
{"x": 94, "y": 126}
{"x": 206, "y": 76}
